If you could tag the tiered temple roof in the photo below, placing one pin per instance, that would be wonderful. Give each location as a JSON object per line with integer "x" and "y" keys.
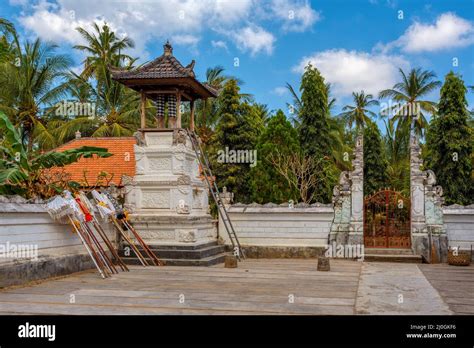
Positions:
{"x": 164, "y": 73}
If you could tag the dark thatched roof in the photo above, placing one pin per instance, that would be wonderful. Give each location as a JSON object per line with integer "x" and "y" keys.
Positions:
{"x": 164, "y": 70}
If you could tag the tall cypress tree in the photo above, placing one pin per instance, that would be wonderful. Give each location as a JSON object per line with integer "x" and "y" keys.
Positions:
{"x": 449, "y": 143}
{"x": 236, "y": 130}
{"x": 313, "y": 114}
{"x": 375, "y": 162}
{"x": 314, "y": 130}
{"x": 279, "y": 137}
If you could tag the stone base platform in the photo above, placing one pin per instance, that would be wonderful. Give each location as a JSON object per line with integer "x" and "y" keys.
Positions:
{"x": 204, "y": 254}
{"x": 22, "y": 272}
{"x": 181, "y": 230}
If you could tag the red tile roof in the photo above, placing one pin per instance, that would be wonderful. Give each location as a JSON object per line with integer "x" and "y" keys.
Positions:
{"x": 121, "y": 163}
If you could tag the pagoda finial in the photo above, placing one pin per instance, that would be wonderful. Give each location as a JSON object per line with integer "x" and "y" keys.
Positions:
{"x": 168, "y": 49}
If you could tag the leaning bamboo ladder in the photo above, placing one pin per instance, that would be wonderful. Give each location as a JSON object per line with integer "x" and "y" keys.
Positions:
{"x": 205, "y": 166}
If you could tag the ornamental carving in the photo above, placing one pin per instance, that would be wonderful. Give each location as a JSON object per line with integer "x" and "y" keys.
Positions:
{"x": 184, "y": 180}
{"x": 159, "y": 164}
{"x": 179, "y": 137}
{"x": 156, "y": 199}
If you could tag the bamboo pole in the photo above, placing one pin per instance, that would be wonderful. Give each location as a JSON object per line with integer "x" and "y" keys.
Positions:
{"x": 87, "y": 246}
{"x": 139, "y": 255}
{"x": 145, "y": 247}
{"x": 105, "y": 258}
{"x": 109, "y": 244}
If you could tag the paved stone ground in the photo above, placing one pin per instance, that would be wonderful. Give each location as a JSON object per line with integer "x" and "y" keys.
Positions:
{"x": 397, "y": 288}
{"x": 258, "y": 286}
{"x": 454, "y": 284}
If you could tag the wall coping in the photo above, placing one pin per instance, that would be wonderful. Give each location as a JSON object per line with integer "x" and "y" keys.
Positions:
{"x": 281, "y": 208}
{"x": 456, "y": 209}
{"x": 22, "y": 208}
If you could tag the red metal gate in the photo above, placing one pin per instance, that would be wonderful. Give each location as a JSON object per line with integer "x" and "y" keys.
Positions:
{"x": 387, "y": 220}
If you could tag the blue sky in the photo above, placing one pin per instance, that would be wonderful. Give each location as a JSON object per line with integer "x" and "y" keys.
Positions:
{"x": 356, "y": 44}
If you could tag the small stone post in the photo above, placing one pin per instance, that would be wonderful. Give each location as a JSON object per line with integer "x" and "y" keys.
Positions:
{"x": 323, "y": 264}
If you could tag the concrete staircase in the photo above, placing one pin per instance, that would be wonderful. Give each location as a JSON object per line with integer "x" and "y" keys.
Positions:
{"x": 391, "y": 255}
{"x": 207, "y": 254}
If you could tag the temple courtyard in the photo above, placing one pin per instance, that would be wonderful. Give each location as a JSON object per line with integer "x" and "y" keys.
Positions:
{"x": 256, "y": 287}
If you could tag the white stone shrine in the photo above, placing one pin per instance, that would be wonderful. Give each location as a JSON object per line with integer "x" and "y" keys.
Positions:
{"x": 167, "y": 198}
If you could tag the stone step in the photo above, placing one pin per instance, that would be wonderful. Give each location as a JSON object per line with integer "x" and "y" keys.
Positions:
{"x": 388, "y": 251}
{"x": 204, "y": 262}
{"x": 183, "y": 253}
{"x": 393, "y": 258}
{"x": 182, "y": 246}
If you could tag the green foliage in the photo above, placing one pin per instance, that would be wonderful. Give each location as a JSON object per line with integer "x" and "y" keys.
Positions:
{"x": 396, "y": 141}
{"x": 407, "y": 99}
{"x": 23, "y": 172}
{"x": 28, "y": 84}
{"x": 313, "y": 114}
{"x": 375, "y": 163}
{"x": 314, "y": 129}
{"x": 238, "y": 129}
{"x": 358, "y": 113}
{"x": 267, "y": 184}
{"x": 449, "y": 143}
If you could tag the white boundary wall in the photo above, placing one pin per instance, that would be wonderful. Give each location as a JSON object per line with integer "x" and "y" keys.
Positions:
{"x": 459, "y": 223}
{"x": 280, "y": 225}
{"x": 30, "y": 224}
{"x": 309, "y": 226}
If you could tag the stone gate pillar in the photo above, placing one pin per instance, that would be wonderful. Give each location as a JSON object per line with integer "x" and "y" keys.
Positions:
{"x": 428, "y": 234}
{"x": 348, "y": 200}
{"x": 356, "y": 230}
{"x": 419, "y": 232}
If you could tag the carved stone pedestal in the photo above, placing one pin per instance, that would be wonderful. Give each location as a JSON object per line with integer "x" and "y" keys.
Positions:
{"x": 167, "y": 199}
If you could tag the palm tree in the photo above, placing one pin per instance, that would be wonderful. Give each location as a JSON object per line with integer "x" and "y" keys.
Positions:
{"x": 27, "y": 86}
{"x": 396, "y": 147}
{"x": 407, "y": 96}
{"x": 206, "y": 109}
{"x": 103, "y": 49}
{"x": 7, "y": 29}
{"x": 359, "y": 112}
{"x": 117, "y": 107}
{"x": 117, "y": 111}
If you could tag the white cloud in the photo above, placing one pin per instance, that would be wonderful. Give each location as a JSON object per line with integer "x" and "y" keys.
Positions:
{"x": 296, "y": 15}
{"x": 151, "y": 21}
{"x": 449, "y": 31}
{"x": 254, "y": 39}
{"x": 54, "y": 26}
{"x": 185, "y": 39}
{"x": 350, "y": 71}
{"x": 232, "y": 11}
{"x": 219, "y": 44}
{"x": 280, "y": 91}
